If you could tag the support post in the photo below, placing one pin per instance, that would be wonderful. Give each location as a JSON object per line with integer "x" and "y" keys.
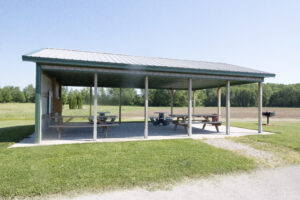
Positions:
{"x": 194, "y": 101}
{"x": 260, "y": 93}
{"x": 120, "y": 106}
{"x": 172, "y": 101}
{"x": 146, "y": 109}
{"x": 219, "y": 102}
{"x": 95, "y": 105}
{"x": 190, "y": 108}
{"x": 91, "y": 96}
{"x": 38, "y": 105}
{"x": 228, "y": 107}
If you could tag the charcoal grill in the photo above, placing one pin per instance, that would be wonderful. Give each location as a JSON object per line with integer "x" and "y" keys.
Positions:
{"x": 268, "y": 115}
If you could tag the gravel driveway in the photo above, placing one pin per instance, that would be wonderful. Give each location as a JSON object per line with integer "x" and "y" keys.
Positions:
{"x": 279, "y": 183}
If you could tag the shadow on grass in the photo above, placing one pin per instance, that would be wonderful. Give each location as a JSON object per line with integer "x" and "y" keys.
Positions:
{"x": 15, "y": 133}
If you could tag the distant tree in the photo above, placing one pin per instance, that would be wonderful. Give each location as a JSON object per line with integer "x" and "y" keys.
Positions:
{"x": 17, "y": 95}
{"x": 29, "y": 93}
{"x": 6, "y": 93}
{"x": 64, "y": 95}
{"x": 180, "y": 98}
{"x": 159, "y": 97}
{"x": 72, "y": 100}
{"x": 79, "y": 101}
{"x": 1, "y": 96}
{"x": 85, "y": 95}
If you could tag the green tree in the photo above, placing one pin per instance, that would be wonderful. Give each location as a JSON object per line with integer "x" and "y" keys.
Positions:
{"x": 85, "y": 95}
{"x": 180, "y": 98}
{"x": 29, "y": 93}
{"x": 17, "y": 95}
{"x": 72, "y": 100}
{"x": 159, "y": 97}
{"x": 79, "y": 101}
{"x": 1, "y": 96}
{"x": 6, "y": 93}
{"x": 64, "y": 95}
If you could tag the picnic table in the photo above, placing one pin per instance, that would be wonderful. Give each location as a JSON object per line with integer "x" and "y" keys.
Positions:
{"x": 161, "y": 119}
{"x": 102, "y": 113}
{"x": 65, "y": 122}
{"x": 182, "y": 120}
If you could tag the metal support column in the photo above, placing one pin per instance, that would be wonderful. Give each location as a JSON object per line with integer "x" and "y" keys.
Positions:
{"x": 95, "y": 105}
{"x": 172, "y": 101}
{"x": 228, "y": 107}
{"x": 38, "y": 105}
{"x": 219, "y": 102}
{"x": 91, "y": 96}
{"x": 120, "y": 106}
{"x": 194, "y": 101}
{"x": 146, "y": 108}
{"x": 260, "y": 93}
{"x": 190, "y": 107}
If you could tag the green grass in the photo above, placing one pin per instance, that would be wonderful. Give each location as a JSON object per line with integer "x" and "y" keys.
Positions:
{"x": 16, "y": 111}
{"x": 287, "y": 134}
{"x": 103, "y": 166}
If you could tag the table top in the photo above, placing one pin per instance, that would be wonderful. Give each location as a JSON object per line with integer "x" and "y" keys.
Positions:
{"x": 204, "y": 115}
{"x": 179, "y": 115}
{"x": 196, "y": 115}
{"x": 71, "y": 116}
{"x": 103, "y": 112}
{"x": 160, "y": 112}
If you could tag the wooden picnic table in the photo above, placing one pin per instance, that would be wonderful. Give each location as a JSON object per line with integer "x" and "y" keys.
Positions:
{"x": 182, "y": 120}
{"x": 102, "y": 113}
{"x": 67, "y": 124}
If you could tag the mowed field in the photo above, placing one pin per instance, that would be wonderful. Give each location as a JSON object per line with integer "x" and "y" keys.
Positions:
{"x": 12, "y": 114}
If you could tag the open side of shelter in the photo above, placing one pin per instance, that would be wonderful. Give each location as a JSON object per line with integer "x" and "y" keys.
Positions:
{"x": 57, "y": 67}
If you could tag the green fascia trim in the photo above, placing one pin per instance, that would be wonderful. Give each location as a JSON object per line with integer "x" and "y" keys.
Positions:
{"x": 141, "y": 67}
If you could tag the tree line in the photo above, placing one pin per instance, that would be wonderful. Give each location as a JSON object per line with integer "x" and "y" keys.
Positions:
{"x": 274, "y": 95}
{"x": 14, "y": 94}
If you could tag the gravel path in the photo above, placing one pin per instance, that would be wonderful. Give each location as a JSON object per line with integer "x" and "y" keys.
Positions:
{"x": 262, "y": 156}
{"x": 271, "y": 184}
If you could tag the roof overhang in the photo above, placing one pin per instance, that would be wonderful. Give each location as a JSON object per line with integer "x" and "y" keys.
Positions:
{"x": 83, "y": 76}
{"x": 79, "y": 72}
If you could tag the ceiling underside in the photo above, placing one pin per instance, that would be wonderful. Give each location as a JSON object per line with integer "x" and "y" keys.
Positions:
{"x": 116, "y": 80}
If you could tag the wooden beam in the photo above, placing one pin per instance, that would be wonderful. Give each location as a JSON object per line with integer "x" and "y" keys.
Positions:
{"x": 38, "y": 105}
{"x": 190, "y": 107}
{"x": 260, "y": 94}
{"x": 228, "y": 107}
{"x": 120, "y": 106}
{"x": 95, "y": 105}
{"x": 146, "y": 108}
{"x": 172, "y": 101}
{"x": 219, "y": 102}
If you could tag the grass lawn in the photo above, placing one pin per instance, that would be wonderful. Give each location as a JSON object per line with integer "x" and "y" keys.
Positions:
{"x": 287, "y": 134}
{"x": 102, "y": 166}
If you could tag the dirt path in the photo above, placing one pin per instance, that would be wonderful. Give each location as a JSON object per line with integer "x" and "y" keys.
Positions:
{"x": 261, "y": 157}
{"x": 279, "y": 183}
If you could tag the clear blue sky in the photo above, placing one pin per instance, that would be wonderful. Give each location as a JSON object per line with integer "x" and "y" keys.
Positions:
{"x": 264, "y": 35}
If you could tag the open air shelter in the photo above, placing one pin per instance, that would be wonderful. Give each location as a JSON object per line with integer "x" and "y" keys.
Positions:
{"x": 58, "y": 67}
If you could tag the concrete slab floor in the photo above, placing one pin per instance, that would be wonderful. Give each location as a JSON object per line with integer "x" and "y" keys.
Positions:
{"x": 131, "y": 132}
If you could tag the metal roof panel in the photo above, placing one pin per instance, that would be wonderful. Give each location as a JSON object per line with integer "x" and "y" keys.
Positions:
{"x": 129, "y": 60}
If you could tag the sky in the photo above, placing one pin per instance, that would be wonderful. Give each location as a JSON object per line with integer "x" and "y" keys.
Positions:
{"x": 263, "y": 35}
